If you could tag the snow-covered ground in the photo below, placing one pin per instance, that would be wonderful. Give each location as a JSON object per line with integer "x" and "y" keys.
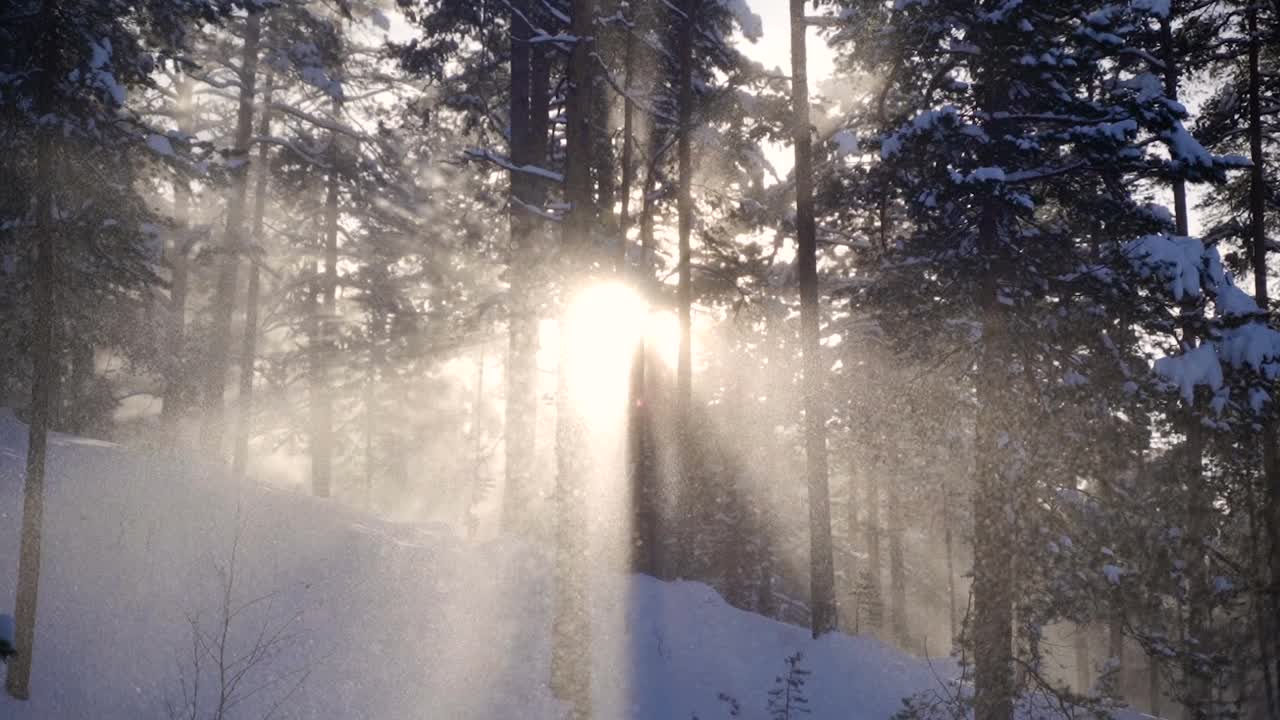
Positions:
{"x": 378, "y": 620}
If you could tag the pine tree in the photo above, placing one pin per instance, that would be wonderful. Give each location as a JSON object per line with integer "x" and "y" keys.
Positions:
{"x": 99, "y": 55}
{"x": 217, "y": 359}
{"x": 1014, "y": 133}
{"x": 822, "y": 567}
{"x": 787, "y": 700}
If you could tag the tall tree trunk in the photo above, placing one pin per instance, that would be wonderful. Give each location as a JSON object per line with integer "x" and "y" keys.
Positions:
{"x": 853, "y": 608}
{"x": 1197, "y": 510}
{"x": 472, "y": 519}
{"x": 628, "y": 145}
{"x": 377, "y": 333}
{"x": 951, "y": 569}
{"x": 1084, "y": 671}
{"x": 647, "y": 205}
{"x": 897, "y": 570}
{"x": 643, "y": 493}
{"x": 871, "y": 597}
{"x": 689, "y": 504}
{"x": 992, "y": 496}
{"x": 571, "y": 625}
{"x": 1115, "y": 651}
{"x": 822, "y": 583}
{"x": 1153, "y": 686}
{"x": 44, "y": 364}
{"x": 995, "y": 430}
{"x": 522, "y": 339}
{"x": 684, "y": 202}
{"x": 249, "y": 345}
{"x": 1269, "y": 632}
{"x": 1194, "y": 447}
{"x": 603, "y": 156}
{"x": 177, "y": 384}
{"x": 224, "y": 293}
{"x": 322, "y": 439}
{"x": 992, "y": 589}
{"x": 1171, "y": 83}
{"x": 1198, "y": 700}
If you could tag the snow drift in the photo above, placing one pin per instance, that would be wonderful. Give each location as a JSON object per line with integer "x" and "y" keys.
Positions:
{"x": 376, "y": 620}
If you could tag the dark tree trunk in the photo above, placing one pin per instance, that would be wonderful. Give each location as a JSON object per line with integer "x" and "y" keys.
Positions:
{"x": 1153, "y": 686}
{"x": 472, "y": 519}
{"x": 228, "y": 265}
{"x": 640, "y": 468}
{"x": 603, "y": 157}
{"x": 522, "y": 348}
{"x": 379, "y": 338}
{"x": 822, "y": 581}
{"x": 897, "y": 571}
{"x": 1269, "y": 630}
{"x": 177, "y": 390}
{"x": 1197, "y": 689}
{"x": 993, "y": 535}
{"x": 643, "y": 493}
{"x": 684, "y": 285}
{"x": 571, "y": 625}
{"x": 871, "y": 598}
{"x": 74, "y": 412}
{"x": 992, "y": 588}
{"x": 1171, "y": 82}
{"x": 249, "y": 345}
{"x": 1084, "y": 672}
{"x": 323, "y": 354}
{"x": 647, "y": 205}
{"x": 628, "y": 147}
{"x": 1115, "y": 649}
{"x": 948, "y": 519}
{"x": 44, "y": 364}
{"x": 1198, "y": 698}
{"x": 994, "y": 430}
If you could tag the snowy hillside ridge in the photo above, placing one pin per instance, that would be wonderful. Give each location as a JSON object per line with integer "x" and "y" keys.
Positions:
{"x": 389, "y": 621}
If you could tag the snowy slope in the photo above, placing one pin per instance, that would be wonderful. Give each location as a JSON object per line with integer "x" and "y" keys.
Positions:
{"x": 386, "y": 621}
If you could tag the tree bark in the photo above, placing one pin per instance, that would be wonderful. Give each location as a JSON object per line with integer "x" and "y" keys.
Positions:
{"x": 571, "y": 624}
{"x": 249, "y": 345}
{"x": 951, "y": 570}
{"x": 224, "y": 293}
{"x": 628, "y": 147}
{"x": 647, "y": 206}
{"x": 1269, "y": 631}
{"x": 992, "y": 496}
{"x": 602, "y": 155}
{"x": 1197, "y": 687}
{"x": 472, "y": 519}
{"x": 1084, "y": 673}
{"x": 522, "y": 340}
{"x": 322, "y": 439}
{"x": 1171, "y": 82}
{"x": 641, "y": 482}
{"x": 872, "y": 598}
{"x": 177, "y": 385}
{"x": 684, "y": 202}
{"x": 44, "y": 364}
{"x": 897, "y": 571}
{"x": 377, "y": 338}
{"x": 822, "y": 584}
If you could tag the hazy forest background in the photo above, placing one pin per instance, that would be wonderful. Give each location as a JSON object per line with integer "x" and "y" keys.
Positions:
{"x": 946, "y": 322}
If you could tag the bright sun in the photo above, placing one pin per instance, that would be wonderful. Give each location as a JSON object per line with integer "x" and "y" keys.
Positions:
{"x": 605, "y": 323}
